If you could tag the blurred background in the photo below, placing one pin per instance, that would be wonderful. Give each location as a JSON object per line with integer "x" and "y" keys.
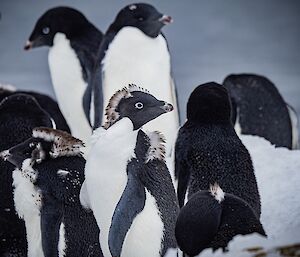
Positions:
{"x": 208, "y": 40}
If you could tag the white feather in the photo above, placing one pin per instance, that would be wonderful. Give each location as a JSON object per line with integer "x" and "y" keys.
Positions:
{"x": 133, "y": 57}
{"x": 27, "y": 201}
{"x": 62, "y": 241}
{"x": 105, "y": 173}
{"x": 294, "y": 124}
{"x": 69, "y": 86}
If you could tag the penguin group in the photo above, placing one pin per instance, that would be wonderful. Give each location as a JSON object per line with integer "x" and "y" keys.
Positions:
{"x": 108, "y": 170}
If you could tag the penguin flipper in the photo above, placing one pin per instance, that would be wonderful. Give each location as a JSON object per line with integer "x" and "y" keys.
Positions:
{"x": 86, "y": 103}
{"x": 51, "y": 218}
{"x": 96, "y": 82}
{"x": 131, "y": 203}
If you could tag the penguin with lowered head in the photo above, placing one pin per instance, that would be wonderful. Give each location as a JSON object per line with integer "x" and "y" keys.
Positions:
{"x": 51, "y": 160}
{"x": 211, "y": 218}
{"x": 74, "y": 43}
{"x": 134, "y": 50}
{"x": 127, "y": 183}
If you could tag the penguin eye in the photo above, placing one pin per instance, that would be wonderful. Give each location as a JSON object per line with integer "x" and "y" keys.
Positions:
{"x": 31, "y": 145}
{"x": 46, "y": 30}
{"x": 140, "y": 18}
{"x": 139, "y": 105}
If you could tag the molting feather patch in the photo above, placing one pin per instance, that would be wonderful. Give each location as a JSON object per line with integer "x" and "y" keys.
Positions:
{"x": 157, "y": 149}
{"x": 217, "y": 192}
{"x": 63, "y": 143}
{"x": 111, "y": 113}
{"x": 7, "y": 87}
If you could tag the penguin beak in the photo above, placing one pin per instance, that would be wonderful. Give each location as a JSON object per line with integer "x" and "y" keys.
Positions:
{"x": 28, "y": 45}
{"x": 165, "y": 19}
{"x": 4, "y": 155}
{"x": 167, "y": 107}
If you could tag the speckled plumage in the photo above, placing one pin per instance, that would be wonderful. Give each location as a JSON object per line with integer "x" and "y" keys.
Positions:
{"x": 19, "y": 114}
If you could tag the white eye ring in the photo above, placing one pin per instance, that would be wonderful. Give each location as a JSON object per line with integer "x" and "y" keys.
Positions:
{"x": 31, "y": 144}
{"x": 139, "y": 105}
{"x": 46, "y": 30}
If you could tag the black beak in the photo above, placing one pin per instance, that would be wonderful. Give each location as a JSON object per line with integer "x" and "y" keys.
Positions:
{"x": 4, "y": 155}
{"x": 167, "y": 107}
{"x": 165, "y": 19}
{"x": 28, "y": 45}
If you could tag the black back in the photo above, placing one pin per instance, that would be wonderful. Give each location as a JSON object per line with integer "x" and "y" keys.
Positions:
{"x": 260, "y": 108}
{"x": 47, "y": 103}
{"x": 19, "y": 114}
{"x": 61, "y": 204}
{"x": 205, "y": 222}
{"x": 208, "y": 151}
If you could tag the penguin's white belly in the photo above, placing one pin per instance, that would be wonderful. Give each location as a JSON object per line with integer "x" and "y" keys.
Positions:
{"x": 106, "y": 176}
{"x": 28, "y": 203}
{"x": 69, "y": 85}
{"x": 145, "y": 235}
{"x": 133, "y": 57}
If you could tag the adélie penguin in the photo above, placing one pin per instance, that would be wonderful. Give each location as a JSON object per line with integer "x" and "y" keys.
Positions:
{"x": 259, "y": 109}
{"x": 74, "y": 43}
{"x": 127, "y": 183}
{"x": 212, "y": 218}
{"x": 134, "y": 50}
{"x": 209, "y": 151}
{"x": 19, "y": 114}
{"x": 51, "y": 162}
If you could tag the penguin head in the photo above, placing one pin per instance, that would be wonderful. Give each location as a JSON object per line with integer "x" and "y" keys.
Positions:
{"x": 209, "y": 103}
{"x": 45, "y": 143}
{"x": 137, "y": 104}
{"x": 60, "y": 19}
{"x": 142, "y": 16}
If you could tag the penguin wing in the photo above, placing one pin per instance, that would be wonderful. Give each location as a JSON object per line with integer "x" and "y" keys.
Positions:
{"x": 95, "y": 84}
{"x": 182, "y": 169}
{"x": 51, "y": 220}
{"x": 131, "y": 203}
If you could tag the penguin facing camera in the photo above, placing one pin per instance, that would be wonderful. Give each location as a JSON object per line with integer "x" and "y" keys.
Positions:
{"x": 19, "y": 114}
{"x": 74, "y": 43}
{"x": 259, "y": 109}
{"x": 127, "y": 183}
{"x": 51, "y": 161}
{"x": 134, "y": 50}
{"x": 209, "y": 151}
{"x": 211, "y": 218}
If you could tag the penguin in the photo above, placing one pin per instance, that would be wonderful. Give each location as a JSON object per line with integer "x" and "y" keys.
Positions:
{"x": 46, "y": 102}
{"x": 134, "y": 50}
{"x": 209, "y": 151}
{"x": 259, "y": 109}
{"x": 51, "y": 160}
{"x": 19, "y": 114}
{"x": 74, "y": 43}
{"x": 211, "y": 219}
{"x": 127, "y": 183}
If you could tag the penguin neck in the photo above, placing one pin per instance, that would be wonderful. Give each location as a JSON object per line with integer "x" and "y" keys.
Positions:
{"x": 69, "y": 85}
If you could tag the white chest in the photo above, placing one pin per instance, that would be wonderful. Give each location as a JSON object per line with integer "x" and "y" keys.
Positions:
{"x": 105, "y": 173}
{"x": 69, "y": 85}
{"x": 133, "y": 57}
{"x": 27, "y": 201}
